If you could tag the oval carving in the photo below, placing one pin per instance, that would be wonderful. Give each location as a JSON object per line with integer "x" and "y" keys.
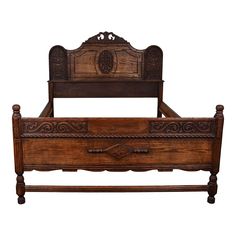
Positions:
{"x": 105, "y": 61}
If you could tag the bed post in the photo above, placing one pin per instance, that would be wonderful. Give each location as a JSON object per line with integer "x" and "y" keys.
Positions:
{"x": 50, "y": 97}
{"x": 18, "y": 154}
{"x": 212, "y": 185}
{"x": 57, "y": 70}
{"x": 160, "y": 99}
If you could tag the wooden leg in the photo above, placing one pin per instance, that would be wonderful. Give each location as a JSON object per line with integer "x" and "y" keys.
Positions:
{"x": 212, "y": 188}
{"x": 20, "y": 189}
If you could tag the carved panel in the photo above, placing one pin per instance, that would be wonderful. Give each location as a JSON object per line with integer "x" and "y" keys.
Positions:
{"x": 153, "y": 63}
{"x": 106, "y": 37}
{"x": 105, "y": 61}
{"x": 181, "y": 127}
{"x": 58, "y": 63}
{"x": 54, "y": 127}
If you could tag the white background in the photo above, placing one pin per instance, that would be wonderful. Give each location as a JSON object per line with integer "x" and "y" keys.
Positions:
{"x": 198, "y": 39}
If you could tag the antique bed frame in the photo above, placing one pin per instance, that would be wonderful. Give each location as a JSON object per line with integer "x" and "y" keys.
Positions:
{"x": 106, "y": 65}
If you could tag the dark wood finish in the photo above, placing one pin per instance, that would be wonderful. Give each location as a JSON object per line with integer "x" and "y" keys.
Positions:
{"x": 47, "y": 111}
{"x": 105, "y": 88}
{"x": 167, "y": 111}
{"x": 18, "y": 154}
{"x": 150, "y": 188}
{"x": 100, "y": 167}
{"x": 106, "y": 65}
{"x": 212, "y": 185}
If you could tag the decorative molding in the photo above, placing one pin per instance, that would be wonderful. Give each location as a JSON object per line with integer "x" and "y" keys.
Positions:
{"x": 106, "y": 37}
{"x": 114, "y": 136}
{"x": 182, "y": 127}
{"x": 105, "y": 61}
{"x": 118, "y": 150}
{"x": 58, "y": 63}
{"x": 103, "y": 167}
{"x": 63, "y": 127}
{"x": 153, "y": 57}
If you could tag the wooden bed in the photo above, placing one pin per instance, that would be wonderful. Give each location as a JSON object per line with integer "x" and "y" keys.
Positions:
{"x": 106, "y": 65}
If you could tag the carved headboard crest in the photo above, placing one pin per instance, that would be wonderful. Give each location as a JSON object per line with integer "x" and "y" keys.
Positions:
{"x": 106, "y": 37}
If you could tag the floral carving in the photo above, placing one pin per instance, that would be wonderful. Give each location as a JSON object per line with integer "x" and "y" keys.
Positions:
{"x": 54, "y": 127}
{"x": 105, "y": 61}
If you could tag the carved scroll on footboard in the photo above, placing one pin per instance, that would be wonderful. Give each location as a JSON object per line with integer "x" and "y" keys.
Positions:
{"x": 117, "y": 143}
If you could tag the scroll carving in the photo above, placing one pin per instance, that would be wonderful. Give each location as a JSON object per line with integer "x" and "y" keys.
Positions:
{"x": 181, "y": 127}
{"x": 54, "y": 127}
{"x": 58, "y": 63}
{"x": 106, "y": 37}
{"x": 105, "y": 61}
{"x": 153, "y": 63}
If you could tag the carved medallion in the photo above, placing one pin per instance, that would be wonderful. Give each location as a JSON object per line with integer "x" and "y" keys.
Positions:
{"x": 105, "y": 62}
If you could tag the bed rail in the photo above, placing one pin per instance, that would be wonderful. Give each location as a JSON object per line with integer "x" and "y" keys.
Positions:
{"x": 167, "y": 111}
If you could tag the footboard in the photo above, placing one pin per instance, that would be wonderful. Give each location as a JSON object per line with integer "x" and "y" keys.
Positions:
{"x": 117, "y": 144}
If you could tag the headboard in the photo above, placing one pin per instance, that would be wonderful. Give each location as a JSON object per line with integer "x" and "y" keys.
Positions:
{"x": 105, "y": 65}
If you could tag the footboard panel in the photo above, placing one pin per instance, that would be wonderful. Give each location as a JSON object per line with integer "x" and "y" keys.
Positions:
{"x": 117, "y": 144}
{"x": 78, "y": 153}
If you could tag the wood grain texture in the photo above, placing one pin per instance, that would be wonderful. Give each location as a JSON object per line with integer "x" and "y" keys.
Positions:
{"x": 106, "y": 58}
{"x": 106, "y": 65}
{"x": 167, "y": 111}
{"x": 92, "y": 61}
{"x": 77, "y": 152}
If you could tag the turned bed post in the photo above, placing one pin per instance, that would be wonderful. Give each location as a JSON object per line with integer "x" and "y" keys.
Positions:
{"x": 212, "y": 184}
{"x": 18, "y": 155}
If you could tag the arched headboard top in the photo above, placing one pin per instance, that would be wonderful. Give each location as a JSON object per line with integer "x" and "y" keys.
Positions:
{"x": 106, "y": 58}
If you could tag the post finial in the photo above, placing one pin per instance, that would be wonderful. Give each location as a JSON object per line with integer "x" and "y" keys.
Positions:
{"x": 220, "y": 108}
{"x": 16, "y": 111}
{"x": 219, "y": 111}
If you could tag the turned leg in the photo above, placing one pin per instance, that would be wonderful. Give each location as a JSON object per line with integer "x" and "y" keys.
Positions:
{"x": 212, "y": 188}
{"x": 20, "y": 189}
